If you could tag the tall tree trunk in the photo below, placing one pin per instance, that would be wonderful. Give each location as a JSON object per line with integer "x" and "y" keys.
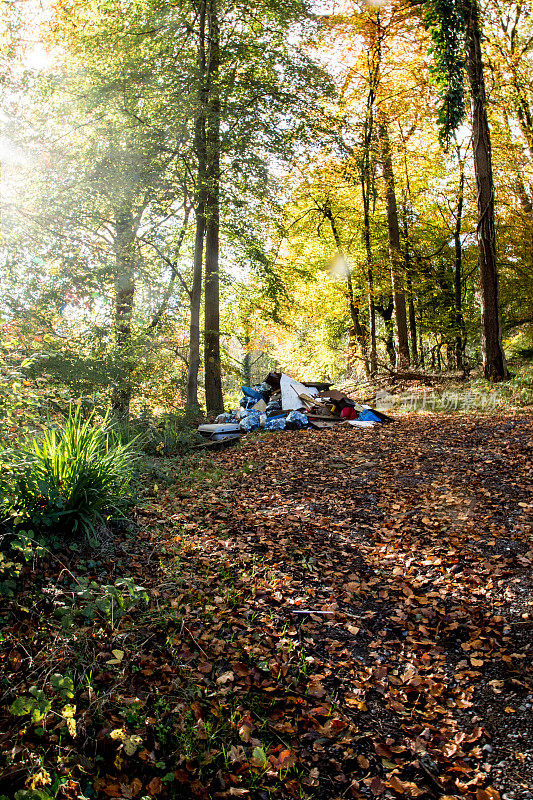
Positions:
{"x": 394, "y": 249}
{"x": 412, "y": 318}
{"x": 247, "y": 361}
{"x": 365, "y": 190}
{"x": 494, "y": 365}
{"x": 124, "y": 244}
{"x": 212, "y": 363}
{"x": 372, "y": 320}
{"x": 374, "y": 62}
{"x": 196, "y": 299}
{"x": 410, "y": 296}
{"x": 458, "y": 271}
{"x": 201, "y": 156}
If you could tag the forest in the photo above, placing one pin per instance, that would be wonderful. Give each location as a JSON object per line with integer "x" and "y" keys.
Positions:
{"x": 198, "y": 194}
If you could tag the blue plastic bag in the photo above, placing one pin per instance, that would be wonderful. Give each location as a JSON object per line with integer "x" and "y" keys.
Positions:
{"x": 296, "y": 419}
{"x": 251, "y": 422}
{"x": 251, "y": 393}
{"x": 275, "y": 424}
{"x": 367, "y": 415}
{"x": 247, "y": 402}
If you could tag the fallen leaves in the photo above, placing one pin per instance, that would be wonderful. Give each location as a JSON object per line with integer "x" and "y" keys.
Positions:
{"x": 352, "y": 631}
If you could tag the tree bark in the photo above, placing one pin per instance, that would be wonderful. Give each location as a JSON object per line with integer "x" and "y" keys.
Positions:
{"x": 458, "y": 271}
{"x": 196, "y": 300}
{"x": 201, "y": 156}
{"x": 374, "y": 62}
{"x": 394, "y": 249}
{"x": 494, "y": 365}
{"x": 212, "y": 363}
{"x": 124, "y": 244}
{"x": 412, "y": 319}
{"x": 410, "y": 296}
{"x": 247, "y": 361}
{"x": 365, "y": 191}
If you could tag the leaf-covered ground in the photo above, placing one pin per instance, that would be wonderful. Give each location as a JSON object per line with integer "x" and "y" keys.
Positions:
{"x": 344, "y": 614}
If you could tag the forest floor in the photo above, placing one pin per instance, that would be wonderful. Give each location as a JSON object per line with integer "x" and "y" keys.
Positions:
{"x": 344, "y": 614}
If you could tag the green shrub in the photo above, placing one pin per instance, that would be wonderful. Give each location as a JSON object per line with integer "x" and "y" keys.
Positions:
{"x": 69, "y": 479}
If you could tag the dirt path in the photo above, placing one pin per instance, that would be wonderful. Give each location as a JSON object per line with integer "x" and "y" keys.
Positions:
{"x": 343, "y": 614}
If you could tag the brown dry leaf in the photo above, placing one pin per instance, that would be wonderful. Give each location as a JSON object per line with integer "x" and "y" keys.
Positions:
{"x": 352, "y": 587}
{"x": 245, "y": 729}
{"x": 226, "y": 677}
{"x": 286, "y": 759}
{"x": 377, "y": 787}
{"x": 396, "y": 784}
{"x": 112, "y": 790}
{"x": 383, "y": 750}
{"x": 155, "y": 786}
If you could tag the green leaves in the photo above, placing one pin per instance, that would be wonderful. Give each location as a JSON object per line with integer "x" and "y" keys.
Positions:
{"x": 36, "y": 706}
{"x": 64, "y": 685}
{"x": 445, "y": 23}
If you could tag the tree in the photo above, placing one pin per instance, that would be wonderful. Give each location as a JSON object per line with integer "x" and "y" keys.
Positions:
{"x": 246, "y": 97}
{"x": 212, "y": 363}
{"x": 456, "y": 31}
{"x": 117, "y": 183}
{"x": 396, "y": 260}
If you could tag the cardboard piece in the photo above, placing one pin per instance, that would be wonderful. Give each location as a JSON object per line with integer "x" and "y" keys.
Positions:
{"x": 321, "y": 424}
{"x": 291, "y": 391}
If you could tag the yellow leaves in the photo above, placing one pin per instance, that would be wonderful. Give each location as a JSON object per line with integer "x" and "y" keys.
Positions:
{"x": 118, "y": 656}
{"x": 38, "y": 779}
{"x": 68, "y": 713}
{"x": 130, "y": 742}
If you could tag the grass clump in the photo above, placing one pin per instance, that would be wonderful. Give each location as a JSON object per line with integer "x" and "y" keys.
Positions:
{"x": 70, "y": 479}
{"x": 168, "y": 436}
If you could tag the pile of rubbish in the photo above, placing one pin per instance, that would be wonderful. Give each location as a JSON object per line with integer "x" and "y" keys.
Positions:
{"x": 282, "y": 403}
